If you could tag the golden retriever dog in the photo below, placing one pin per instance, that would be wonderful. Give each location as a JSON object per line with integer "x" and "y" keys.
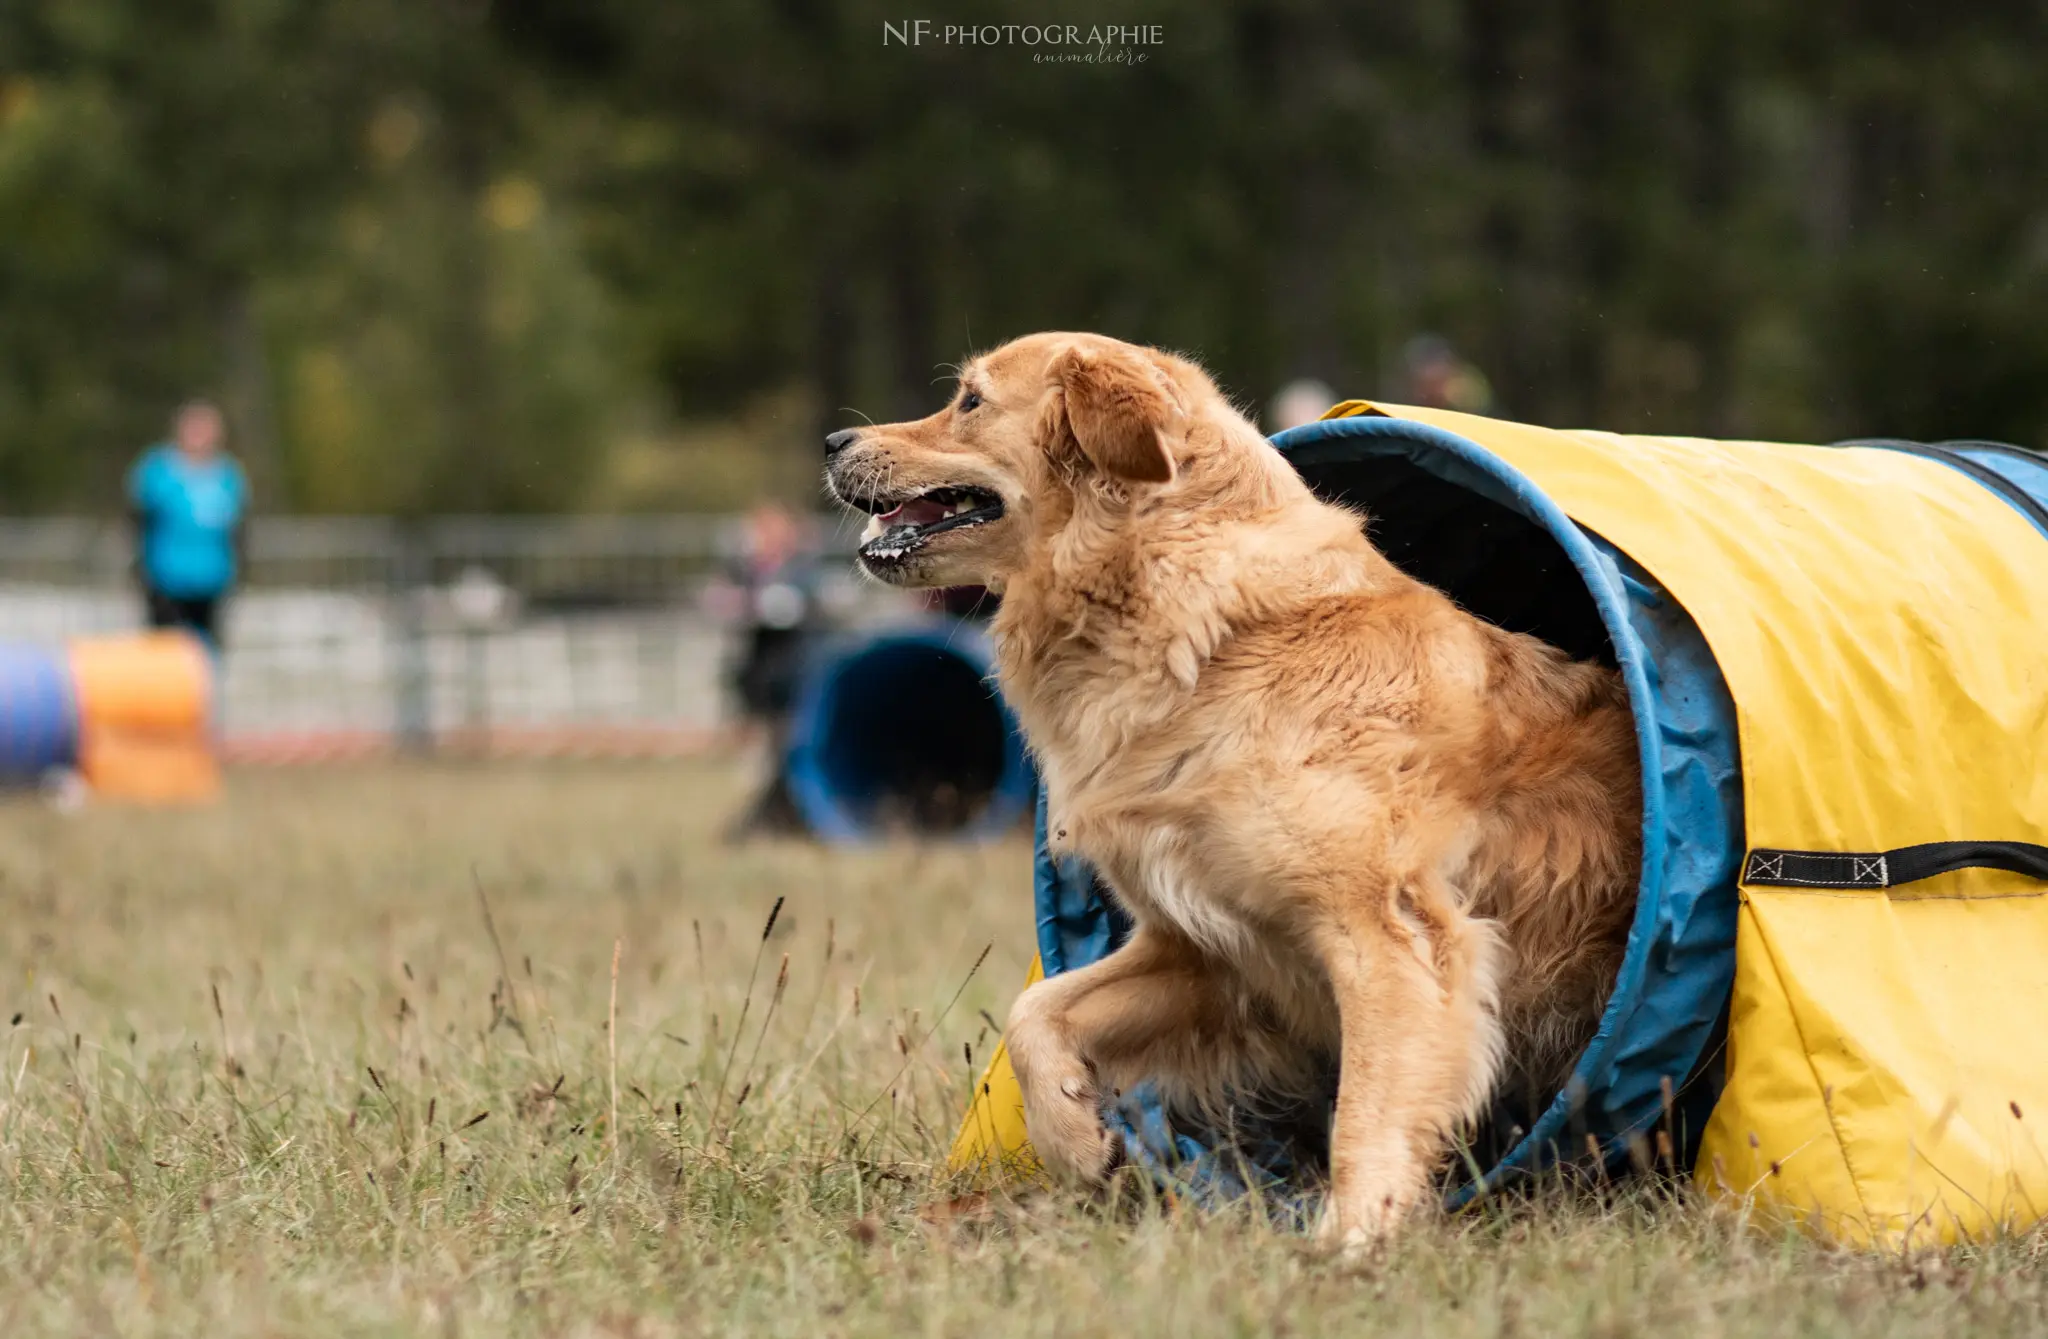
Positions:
{"x": 1353, "y": 824}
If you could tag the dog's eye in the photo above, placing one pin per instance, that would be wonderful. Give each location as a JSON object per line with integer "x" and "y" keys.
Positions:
{"x": 969, "y": 402}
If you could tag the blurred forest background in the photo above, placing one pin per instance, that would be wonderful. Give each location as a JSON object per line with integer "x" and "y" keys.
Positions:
{"x": 544, "y": 255}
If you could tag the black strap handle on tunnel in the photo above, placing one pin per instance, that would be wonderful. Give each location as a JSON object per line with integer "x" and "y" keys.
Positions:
{"x": 1766, "y": 867}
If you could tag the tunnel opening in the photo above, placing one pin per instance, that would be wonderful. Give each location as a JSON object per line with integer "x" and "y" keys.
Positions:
{"x": 903, "y": 733}
{"x": 1497, "y": 563}
{"x": 1453, "y": 514}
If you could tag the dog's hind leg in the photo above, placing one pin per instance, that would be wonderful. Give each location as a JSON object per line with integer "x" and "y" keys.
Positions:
{"x": 1416, "y": 980}
{"x": 1154, "y": 1008}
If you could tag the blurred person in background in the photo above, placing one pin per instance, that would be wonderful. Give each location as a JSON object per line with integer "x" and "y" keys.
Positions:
{"x": 1439, "y": 379}
{"x": 189, "y": 501}
{"x": 1299, "y": 402}
{"x": 771, "y": 591}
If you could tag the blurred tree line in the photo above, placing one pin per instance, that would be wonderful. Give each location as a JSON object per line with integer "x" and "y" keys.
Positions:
{"x": 543, "y": 254}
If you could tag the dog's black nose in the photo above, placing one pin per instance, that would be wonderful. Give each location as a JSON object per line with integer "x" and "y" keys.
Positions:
{"x": 839, "y": 441}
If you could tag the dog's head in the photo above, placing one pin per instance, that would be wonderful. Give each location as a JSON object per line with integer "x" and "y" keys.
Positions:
{"x": 1036, "y": 427}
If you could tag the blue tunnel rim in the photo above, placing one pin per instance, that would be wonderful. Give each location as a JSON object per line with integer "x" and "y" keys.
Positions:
{"x": 1326, "y": 440}
{"x": 828, "y": 816}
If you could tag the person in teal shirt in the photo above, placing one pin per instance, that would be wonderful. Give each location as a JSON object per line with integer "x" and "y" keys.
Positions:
{"x": 189, "y": 500}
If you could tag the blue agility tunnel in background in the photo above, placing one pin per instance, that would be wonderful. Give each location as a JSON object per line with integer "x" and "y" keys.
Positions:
{"x": 901, "y": 729}
{"x": 38, "y": 713}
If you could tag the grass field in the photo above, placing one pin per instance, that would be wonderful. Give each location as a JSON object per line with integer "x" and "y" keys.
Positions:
{"x": 272, "y": 1073}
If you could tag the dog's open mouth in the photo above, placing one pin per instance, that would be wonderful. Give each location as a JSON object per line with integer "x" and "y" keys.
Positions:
{"x": 900, "y": 527}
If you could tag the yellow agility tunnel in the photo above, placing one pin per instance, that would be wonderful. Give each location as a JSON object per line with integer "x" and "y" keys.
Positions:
{"x": 1832, "y": 1006}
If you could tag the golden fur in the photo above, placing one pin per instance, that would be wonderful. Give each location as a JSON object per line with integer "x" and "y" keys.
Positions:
{"x": 1350, "y": 821}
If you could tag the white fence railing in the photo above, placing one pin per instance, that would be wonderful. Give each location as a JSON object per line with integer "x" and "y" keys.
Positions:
{"x": 367, "y": 632}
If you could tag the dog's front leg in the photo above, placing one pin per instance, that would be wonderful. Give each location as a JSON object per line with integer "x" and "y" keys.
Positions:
{"x": 1139, "y": 1011}
{"x": 1416, "y": 981}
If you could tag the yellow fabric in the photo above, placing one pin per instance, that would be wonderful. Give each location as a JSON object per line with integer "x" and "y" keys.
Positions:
{"x": 1882, "y": 623}
{"x": 992, "y": 1141}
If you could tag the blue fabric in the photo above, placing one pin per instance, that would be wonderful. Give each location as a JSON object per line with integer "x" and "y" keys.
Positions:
{"x": 1674, "y": 981}
{"x": 855, "y": 680}
{"x": 2028, "y": 469}
{"x": 1658, "y": 1034}
{"x": 38, "y": 718}
{"x": 1269, "y": 1167}
{"x": 190, "y": 510}
{"x": 1078, "y": 922}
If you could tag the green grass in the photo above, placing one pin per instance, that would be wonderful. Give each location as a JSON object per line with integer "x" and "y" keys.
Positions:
{"x": 311, "y": 1156}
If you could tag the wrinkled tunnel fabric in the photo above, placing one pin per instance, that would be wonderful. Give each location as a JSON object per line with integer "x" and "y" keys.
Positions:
{"x": 1885, "y": 694}
{"x": 902, "y": 729}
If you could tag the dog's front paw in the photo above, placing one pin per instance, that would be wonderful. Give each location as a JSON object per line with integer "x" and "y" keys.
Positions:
{"x": 1350, "y": 1241}
{"x": 1063, "y": 1115}
{"x": 1367, "y": 1205}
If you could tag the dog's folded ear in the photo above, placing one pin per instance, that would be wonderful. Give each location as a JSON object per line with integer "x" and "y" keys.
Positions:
{"x": 1111, "y": 406}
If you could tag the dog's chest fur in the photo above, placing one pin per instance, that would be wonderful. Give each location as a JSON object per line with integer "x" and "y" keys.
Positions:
{"x": 1160, "y": 877}
{"x": 1193, "y": 873}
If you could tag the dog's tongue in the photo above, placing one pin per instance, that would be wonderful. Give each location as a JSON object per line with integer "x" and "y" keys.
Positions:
{"x": 917, "y": 511}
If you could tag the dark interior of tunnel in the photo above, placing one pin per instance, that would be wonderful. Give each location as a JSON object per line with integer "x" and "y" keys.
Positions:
{"x": 912, "y": 737}
{"x": 1497, "y": 564}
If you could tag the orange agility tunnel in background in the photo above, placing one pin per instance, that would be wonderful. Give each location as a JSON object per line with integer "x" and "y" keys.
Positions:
{"x": 145, "y": 717}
